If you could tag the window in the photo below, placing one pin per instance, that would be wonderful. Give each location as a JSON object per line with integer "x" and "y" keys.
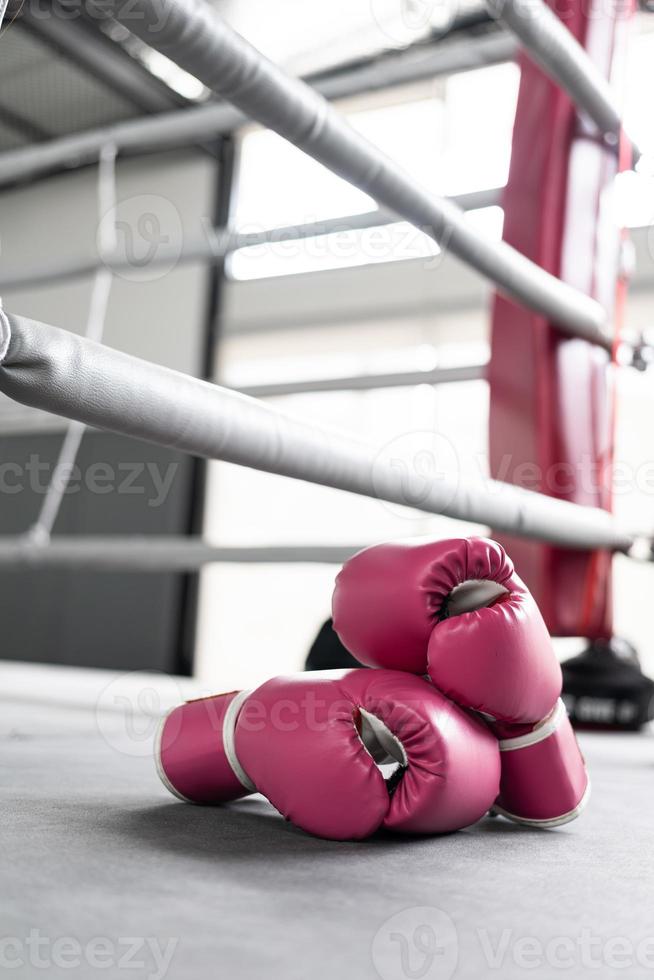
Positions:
{"x": 635, "y": 191}
{"x": 437, "y": 140}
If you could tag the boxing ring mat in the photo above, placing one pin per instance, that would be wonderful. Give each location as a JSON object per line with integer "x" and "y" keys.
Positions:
{"x": 551, "y": 396}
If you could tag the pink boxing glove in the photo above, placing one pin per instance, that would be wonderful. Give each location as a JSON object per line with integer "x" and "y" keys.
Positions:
{"x": 314, "y": 743}
{"x": 544, "y": 777}
{"x": 456, "y": 610}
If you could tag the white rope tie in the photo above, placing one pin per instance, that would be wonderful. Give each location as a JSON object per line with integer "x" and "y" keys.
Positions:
{"x": 41, "y": 531}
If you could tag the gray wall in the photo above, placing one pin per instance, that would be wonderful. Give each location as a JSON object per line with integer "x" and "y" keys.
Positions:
{"x": 120, "y": 620}
{"x": 126, "y": 621}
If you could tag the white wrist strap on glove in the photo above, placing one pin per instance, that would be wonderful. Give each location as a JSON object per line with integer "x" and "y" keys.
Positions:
{"x": 229, "y": 726}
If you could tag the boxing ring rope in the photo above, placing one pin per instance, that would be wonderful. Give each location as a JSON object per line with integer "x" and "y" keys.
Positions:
{"x": 52, "y": 369}
{"x": 181, "y": 127}
{"x": 369, "y": 382}
{"x": 193, "y": 34}
{"x": 215, "y": 244}
{"x": 555, "y": 50}
{"x": 151, "y": 553}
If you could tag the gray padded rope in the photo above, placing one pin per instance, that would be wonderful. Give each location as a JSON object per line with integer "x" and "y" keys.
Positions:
{"x": 195, "y": 36}
{"x": 553, "y": 47}
{"x": 68, "y": 375}
{"x": 151, "y": 553}
{"x": 181, "y": 127}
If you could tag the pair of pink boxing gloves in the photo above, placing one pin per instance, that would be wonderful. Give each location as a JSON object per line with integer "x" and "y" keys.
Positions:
{"x": 461, "y": 716}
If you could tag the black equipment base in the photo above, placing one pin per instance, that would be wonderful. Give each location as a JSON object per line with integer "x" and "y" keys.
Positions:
{"x": 604, "y": 688}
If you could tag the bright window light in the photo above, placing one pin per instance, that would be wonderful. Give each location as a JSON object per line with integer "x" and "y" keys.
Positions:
{"x": 412, "y": 134}
{"x": 282, "y": 362}
{"x": 635, "y": 200}
{"x": 480, "y": 110}
{"x": 635, "y": 191}
{"x": 459, "y": 145}
{"x": 489, "y": 221}
{"x": 279, "y": 186}
{"x": 639, "y": 84}
{"x": 342, "y": 250}
{"x": 449, "y": 146}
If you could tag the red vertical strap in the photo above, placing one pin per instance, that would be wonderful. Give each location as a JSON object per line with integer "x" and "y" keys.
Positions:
{"x": 551, "y": 397}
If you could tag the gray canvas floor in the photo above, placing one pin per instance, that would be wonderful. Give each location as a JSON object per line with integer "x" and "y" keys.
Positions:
{"x": 104, "y": 874}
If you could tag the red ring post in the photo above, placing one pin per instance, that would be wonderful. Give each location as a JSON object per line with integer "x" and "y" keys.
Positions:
{"x": 551, "y": 396}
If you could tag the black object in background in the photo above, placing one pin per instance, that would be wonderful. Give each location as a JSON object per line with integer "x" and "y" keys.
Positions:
{"x": 327, "y": 652}
{"x": 605, "y": 688}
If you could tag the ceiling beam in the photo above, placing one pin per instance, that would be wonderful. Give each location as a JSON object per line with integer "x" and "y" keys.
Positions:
{"x": 198, "y": 124}
{"x": 102, "y": 59}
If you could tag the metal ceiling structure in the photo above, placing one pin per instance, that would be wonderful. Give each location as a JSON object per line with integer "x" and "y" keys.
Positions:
{"x": 45, "y": 93}
{"x": 61, "y": 76}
